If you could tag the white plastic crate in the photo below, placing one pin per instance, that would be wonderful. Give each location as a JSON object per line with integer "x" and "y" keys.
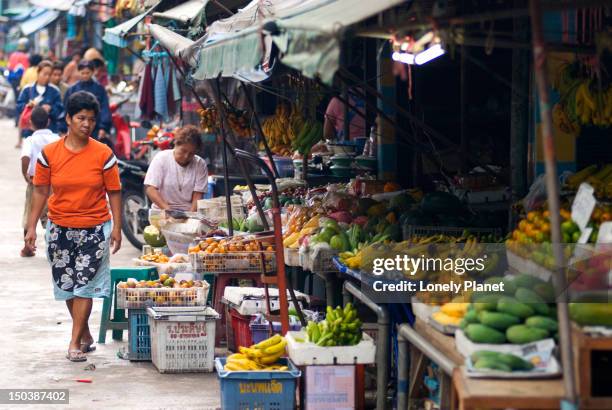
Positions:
{"x": 183, "y": 339}
{"x": 234, "y": 262}
{"x": 140, "y": 298}
{"x": 215, "y": 208}
{"x": 309, "y": 354}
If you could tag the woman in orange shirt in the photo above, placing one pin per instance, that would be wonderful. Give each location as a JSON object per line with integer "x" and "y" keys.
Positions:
{"x": 80, "y": 172}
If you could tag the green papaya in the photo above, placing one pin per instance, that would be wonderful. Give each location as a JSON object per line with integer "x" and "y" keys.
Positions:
{"x": 513, "y": 307}
{"x": 546, "y": 291}
{"x": 509, "y": 285}
{"x": 515, "y": 362}
{"x": 491, "y": 364}
{"x": 529, "y": 297}
{"x": 479, "y": 333}
{"x": 498, "y": 320}
{"x": 480, "y": 354}
{"x": 471, "y": 316}
{"x": 594, "y": 314}
{"x": 542, "y": 322}
{"x": 526, "y": 281}
{"x": 521, "y": 334}
{"x": 486, "y": 302}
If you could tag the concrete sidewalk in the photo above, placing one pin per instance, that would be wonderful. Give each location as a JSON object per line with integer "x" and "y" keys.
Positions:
{"x": 36, "y": 329}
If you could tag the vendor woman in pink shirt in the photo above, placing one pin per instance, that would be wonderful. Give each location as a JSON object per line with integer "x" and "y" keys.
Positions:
{"x": 178, "y": 178}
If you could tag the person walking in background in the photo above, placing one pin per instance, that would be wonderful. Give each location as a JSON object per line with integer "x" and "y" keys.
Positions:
{"x": 56, "y": 78}
{"x": 71, "y": 71}
{"x": 31, "y": 74}
{"x": 30, "y": 149}
{"x": 17, "y": 64}
{"x": 43, "y": 94}
{"x": 79, "y": 173}
{"x": 100, "y": 72}
{"x": 87, "y": 83}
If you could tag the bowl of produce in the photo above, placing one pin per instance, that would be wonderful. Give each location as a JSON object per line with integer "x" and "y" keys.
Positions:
{"x": 340, "y": 171}
{"x": 363, "y": 162}
{"x": 342, "y": 160}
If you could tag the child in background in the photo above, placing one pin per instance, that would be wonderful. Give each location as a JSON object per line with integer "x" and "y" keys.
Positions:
{"x": 31, "y": 147}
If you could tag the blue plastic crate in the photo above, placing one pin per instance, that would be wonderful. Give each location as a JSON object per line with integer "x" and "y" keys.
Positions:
{"x": 139, "y": 335}
{"x": 258, "y": 390}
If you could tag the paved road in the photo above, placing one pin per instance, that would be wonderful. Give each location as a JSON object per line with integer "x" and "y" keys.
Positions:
{"x": 36, "y": 329}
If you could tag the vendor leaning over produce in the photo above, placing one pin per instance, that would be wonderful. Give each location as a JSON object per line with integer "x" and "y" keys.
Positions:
{"x": 178, "y": 178}
{"x": 82, "y": 172}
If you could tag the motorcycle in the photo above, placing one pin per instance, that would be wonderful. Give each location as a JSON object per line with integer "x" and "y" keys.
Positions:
{"x": 134, "y": 201}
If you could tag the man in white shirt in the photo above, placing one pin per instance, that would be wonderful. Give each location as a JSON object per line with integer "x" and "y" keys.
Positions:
{"x": 31, "y": 147}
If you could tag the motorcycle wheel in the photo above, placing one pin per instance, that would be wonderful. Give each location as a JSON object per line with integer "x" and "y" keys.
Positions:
{"x": 131, "y": 203}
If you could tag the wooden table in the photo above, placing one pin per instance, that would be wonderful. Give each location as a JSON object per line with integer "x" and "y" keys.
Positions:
{"x": 501, "y": 394}
{"x": 586, "y": 347}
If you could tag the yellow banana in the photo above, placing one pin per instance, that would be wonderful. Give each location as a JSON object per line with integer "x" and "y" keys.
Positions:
{"x": 236, "y": 356}
{"x": 268, "y": 342}
{"x": 250, "y": 352}
{"x": 277, "y": 348}
{"x": 271, "y": 359}
{"x": 232, "y": 367}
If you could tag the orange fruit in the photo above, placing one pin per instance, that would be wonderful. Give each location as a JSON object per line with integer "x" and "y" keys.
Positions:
{"x": 545, "y": 228}
{"x": 546, "y": 214}
{"x": 522, "y": 225}
{"x": 531, "y": 216}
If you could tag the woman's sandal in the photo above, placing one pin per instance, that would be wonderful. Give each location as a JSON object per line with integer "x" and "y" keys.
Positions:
{"x": 75, "y": 355}
{"x": 87, "y": 347}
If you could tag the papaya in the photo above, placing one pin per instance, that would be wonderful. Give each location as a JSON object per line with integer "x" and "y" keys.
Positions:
{"x": 486, "y": 302}
{"x": 479, "y": 354}
{"x": 480, "y": 333}
{"x": 513, "y": 307}
{"x": 532, "y": 299}
{"x": 471, "y": 316}
{"x": 542, "y": 322}
{"x": 498, "y": 320}
{"x": 526, "y": 281}
{"x": 521, "y": 334}
{"x": 515, "y": 362}
{"x": 491, "y": 364}
{"x": 546, "y": 291}
{"x": 594, "y": 314}
{"x": 509, "y": 285}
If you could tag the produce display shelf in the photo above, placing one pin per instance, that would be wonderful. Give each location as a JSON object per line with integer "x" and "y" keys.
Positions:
{"x": 345, "y": 269}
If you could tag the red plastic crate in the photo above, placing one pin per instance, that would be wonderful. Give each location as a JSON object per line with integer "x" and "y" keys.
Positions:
{"x": 241, "y": 331}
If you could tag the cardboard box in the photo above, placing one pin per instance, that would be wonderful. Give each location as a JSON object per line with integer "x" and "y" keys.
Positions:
{"x": 330, "y": 387}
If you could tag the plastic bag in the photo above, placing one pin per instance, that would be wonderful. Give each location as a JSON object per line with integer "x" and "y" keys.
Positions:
{"x": 537, "y": 192}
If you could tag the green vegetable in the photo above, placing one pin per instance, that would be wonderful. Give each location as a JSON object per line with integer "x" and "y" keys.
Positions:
{"x": 515, "y": 362}
{"x": 479, "y": 333}
{"x": 594, "y": 314}
{"x": 471, "y": 316}
{"x": 498, "y": 320}
{"x": 486, "y": 302}
{"x": 491, "y": 364}
{"x": 480, "y": 354}
{"x": 340, "y": 242}
{"x": 521, "y": 334}
{"x": 532, "y": 299}
{"x": 542, "y": 322}
{"x": 513, "y": 307}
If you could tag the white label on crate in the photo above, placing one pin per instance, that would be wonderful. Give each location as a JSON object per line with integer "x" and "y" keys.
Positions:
{"x": 585, "y": 235}
{"x": 330, "y": 387}
{"x": 187, "y": 330}
{"x": 583, "y": 205}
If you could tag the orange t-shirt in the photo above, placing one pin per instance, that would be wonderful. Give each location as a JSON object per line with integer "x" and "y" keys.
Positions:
{"x": 79, "y": 182}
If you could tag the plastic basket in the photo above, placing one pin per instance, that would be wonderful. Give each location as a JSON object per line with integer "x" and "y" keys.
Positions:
{"x": 261, "y": 331}
{"x": 319, "y": 260}
{"x": 409, "y": 231}
{"x": 178, "y": 242}
{"x": 258, "y": 390}
{"x": 215, "y": 209}
{"x": 140, "y": 298}
{"x": 183, "y": 339}
{"x": 241, "y": 331}
{"x": 139, "y": 335}
{"x": 243, "y": 262}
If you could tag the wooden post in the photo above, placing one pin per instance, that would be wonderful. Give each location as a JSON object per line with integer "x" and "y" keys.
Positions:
{"x": 552, "y": 190}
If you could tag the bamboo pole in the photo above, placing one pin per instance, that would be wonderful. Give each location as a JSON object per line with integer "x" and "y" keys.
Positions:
{"x": 552, "y": 189}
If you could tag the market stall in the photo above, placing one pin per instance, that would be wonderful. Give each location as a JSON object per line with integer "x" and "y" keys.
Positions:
{"x": 506, "y": 324}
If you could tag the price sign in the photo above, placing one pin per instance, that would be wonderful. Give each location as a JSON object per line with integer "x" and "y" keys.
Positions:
{"x": 583, "y": 205}
{"x": 604, "y": 235}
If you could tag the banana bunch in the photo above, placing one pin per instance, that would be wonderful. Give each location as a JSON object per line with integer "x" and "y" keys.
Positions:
{"x": 562, "y": 121}
{"x": 574, "y": 181}
{"x": 282, "y": 128}
{"x": 341, "y": 327}
{"x": 260, "y": 356}
{"x": 310, "y": 134}
{"x": 351, "y": 259}
{"x": 593, "y": 109}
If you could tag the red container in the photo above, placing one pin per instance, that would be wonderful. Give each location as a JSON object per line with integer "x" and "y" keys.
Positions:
{"x": 241, "y": 331}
